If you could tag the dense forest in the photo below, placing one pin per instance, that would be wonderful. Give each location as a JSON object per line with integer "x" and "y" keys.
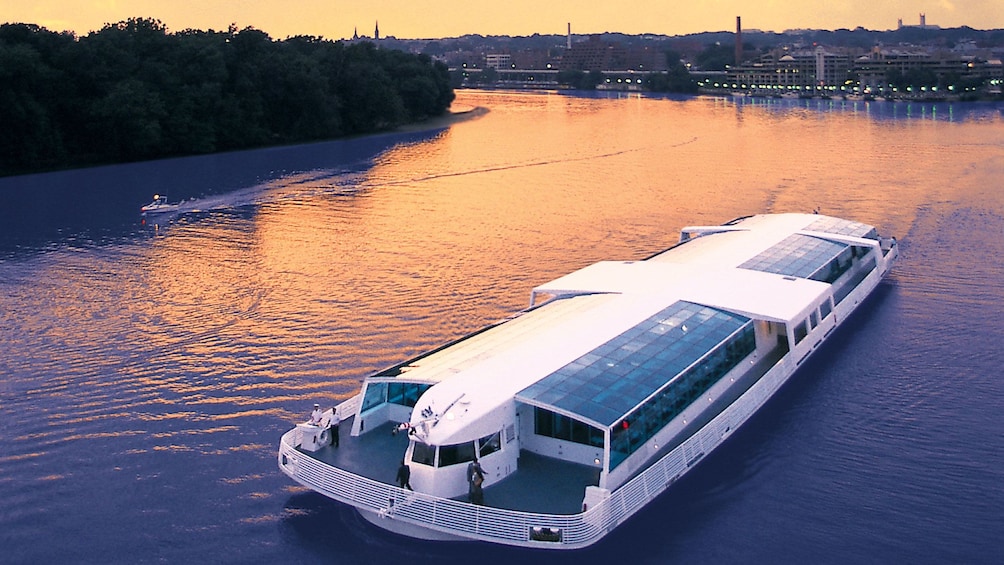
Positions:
{"x": 133, "y": 91}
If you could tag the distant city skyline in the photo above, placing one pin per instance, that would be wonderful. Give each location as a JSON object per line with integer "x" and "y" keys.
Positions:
{"x": 337, "y": 19}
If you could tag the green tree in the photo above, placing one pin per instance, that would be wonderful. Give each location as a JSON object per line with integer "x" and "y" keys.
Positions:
{"x": 715, "y": 57}
{"x": 134, "y": 91}
{"x": 676, "y": 78}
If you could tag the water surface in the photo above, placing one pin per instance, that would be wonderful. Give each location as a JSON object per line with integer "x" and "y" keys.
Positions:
{"x": 149, "y": 366}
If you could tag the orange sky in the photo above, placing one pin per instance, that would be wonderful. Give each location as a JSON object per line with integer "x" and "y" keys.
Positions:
{"x": 410, "y": 19}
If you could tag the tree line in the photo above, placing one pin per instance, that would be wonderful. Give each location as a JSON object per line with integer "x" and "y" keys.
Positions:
{"x": 133, "y": 91}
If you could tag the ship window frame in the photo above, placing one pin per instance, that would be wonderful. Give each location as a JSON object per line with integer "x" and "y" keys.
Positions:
{"x": 375, "y": 395}
{"x": 825, "y": 308}
{"x": 489, "y": 444}
{"x": 423, "y": 447}
{"x": 405, "y": 393}
{"x": 456, "y": 454}
{"x": 800, "y": 331}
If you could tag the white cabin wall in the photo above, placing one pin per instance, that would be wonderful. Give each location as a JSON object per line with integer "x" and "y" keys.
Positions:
{"x": 451, "y": 481}
{"x": 565, "y": 450}
{"x": 766, "y": 336}
{"x": 375, "y": 417}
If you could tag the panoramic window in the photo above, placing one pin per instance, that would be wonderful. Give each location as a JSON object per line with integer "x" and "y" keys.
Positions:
{"x": 405, "y": 394}
{"x": 631, "y": 432}
{"x": 559, "y": 426}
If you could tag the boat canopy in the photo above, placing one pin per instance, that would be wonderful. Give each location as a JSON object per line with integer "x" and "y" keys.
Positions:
{"x": 604, "y": 385}
{"x": 602, "y": 311}
{"x": 756, "y": 294}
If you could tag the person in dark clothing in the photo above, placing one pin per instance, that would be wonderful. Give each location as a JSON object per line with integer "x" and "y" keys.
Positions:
{"x": 475, "y": 477}
{"x": 333, "y": 425}
{"x": 404, "y": 476}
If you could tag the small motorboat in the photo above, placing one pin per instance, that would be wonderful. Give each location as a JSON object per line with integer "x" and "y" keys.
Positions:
{"x": 159, "y": 204}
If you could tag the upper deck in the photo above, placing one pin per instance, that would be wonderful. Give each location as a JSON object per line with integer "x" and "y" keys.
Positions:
{"x": 773, "y": 268}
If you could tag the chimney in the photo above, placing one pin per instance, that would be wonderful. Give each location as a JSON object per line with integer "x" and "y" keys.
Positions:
{"x": 739, "y": 41}
{"x": 569, "y": 45}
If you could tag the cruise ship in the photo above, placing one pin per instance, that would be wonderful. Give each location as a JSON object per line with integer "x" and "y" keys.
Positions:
{"x": 615, "y": 381}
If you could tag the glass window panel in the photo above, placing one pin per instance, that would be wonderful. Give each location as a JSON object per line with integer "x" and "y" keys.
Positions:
{"x": 800, "y": 331}
{"x": 376, "y": 394}
{"x": 621, "y": 373}
{"x": 456, "y": 453}
{"x": 423, "y": 454}
{"x": 489, "y": 444}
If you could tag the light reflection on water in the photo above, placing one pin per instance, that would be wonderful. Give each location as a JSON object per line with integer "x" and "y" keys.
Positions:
{"x": 179, "y": 350}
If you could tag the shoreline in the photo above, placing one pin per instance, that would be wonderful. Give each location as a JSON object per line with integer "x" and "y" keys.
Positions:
{"x": 452, "y": 117}
{"x": 430, "y": 124}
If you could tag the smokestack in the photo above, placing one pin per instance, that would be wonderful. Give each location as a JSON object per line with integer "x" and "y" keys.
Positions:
{"x": 739, "y": 41}
{"x": 569, "y": 35}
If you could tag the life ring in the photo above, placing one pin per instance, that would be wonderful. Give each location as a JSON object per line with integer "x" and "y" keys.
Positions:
{"x": 325, "y": 437}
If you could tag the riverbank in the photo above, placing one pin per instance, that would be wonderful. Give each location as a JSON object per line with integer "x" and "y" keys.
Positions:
{"x": 453, "y": 116}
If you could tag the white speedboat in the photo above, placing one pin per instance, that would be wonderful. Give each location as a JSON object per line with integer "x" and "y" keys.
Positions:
{"x": 159, "y": 204}
{"x": 617, "y": 380}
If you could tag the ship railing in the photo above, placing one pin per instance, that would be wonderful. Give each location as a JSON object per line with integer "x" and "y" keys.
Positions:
{"x": 513, "y": 527}
{"x": 346, "y": 408}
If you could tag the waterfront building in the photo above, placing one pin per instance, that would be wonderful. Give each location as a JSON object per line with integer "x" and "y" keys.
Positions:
{"x": 597, "y": 55}
{"x": 809, "y": 71}
{"x": 905, "y": 71}
{"x": 498, "y": 61}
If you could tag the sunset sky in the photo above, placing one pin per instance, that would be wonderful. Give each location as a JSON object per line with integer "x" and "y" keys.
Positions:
{"x": 417, "y": 19}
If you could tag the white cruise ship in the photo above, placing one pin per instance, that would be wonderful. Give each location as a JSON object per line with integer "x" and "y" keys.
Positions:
{"x": 615, "y": 382}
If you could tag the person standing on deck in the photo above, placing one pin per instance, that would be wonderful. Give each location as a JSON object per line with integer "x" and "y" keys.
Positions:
{"x": 475, "y": 477}
{"x": 404, "y": 476}
{"x": 315, "y": 416}
{"x": 333, "y": 425}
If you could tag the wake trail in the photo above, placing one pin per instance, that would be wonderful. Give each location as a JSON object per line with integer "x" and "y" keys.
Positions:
{"x": 531, "y": 164}
{"x": 349, "y": 180}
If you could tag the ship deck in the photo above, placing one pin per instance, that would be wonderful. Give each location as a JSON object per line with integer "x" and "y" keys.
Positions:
{"x": 540, "y": 485}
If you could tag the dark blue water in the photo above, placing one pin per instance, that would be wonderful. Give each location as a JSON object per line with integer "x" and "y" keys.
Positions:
{"x": 149, "y": 365}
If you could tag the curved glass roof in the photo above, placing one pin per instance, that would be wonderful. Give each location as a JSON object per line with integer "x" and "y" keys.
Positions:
{"x": 827, "y": 224}
{"x": 605, "y": 384}
{"x": 796, "y": 256}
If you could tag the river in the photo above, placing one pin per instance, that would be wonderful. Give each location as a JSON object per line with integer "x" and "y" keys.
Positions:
{"x": 150, "y": 365}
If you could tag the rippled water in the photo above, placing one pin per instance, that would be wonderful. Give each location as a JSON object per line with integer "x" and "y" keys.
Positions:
{"x": 149, "y": 367}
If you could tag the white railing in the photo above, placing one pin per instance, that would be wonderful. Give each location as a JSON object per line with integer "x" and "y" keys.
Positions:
{"x": 511, "y": 527}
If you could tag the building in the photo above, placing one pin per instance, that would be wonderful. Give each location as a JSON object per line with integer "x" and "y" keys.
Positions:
{"x": 808, "y": 71}
{"x": 923, "y": 24}
{"x": 893, "y": 72}
{"x": 597, "y": 55}
{"x": 498, "y": 61}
